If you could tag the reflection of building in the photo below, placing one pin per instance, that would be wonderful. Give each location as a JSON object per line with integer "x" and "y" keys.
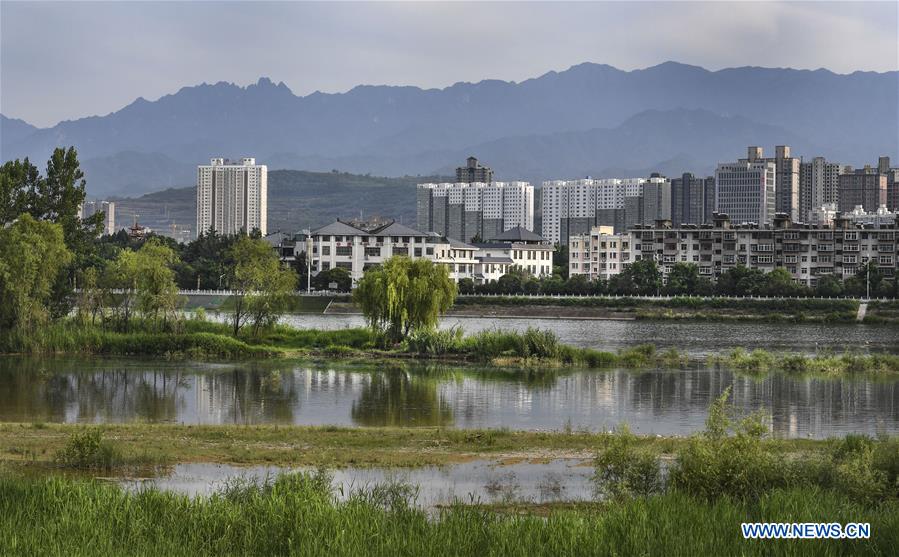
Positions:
{"x": 232, "y": 197}
{"x": 464, "y": 210}
{"x": 600, "y": 254}
{"x": 90, "y": 208}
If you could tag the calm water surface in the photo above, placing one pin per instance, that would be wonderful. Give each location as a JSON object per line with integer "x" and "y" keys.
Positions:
{"x": 475, "y": 481}
{"x": 652, "y": 402}
{"x": 693, "y": 337}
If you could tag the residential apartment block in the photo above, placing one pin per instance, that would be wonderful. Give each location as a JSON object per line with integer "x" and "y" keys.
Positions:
{"x": 600, "y": 254}
{"x": 573, "y": 207}
{"x": 806, "y": 251}
{"x": 473, "y": 172}
{"x": 865, "y": 187}
{"x": 692, "y": 199}
{"x": 819, "y": 185}
{"x": 484, "y": 210}
{"x": 90, "y": 208}
{"x": 232, "y": 196}
{"x": 786, "y": 178}
{"x": 745, "y": 191}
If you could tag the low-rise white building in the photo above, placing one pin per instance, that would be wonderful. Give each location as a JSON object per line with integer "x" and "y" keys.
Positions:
{"x": 515, "y": 248}
{"x": 600, "y": 254}
{"x": 341, "y": 245}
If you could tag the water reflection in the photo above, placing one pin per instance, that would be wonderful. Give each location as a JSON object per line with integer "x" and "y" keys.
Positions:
{"x": 652, "y": 402}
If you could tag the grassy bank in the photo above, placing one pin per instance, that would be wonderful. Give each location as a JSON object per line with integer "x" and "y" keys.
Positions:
{"x": 533, "y": 349}
{"x": 136, "y": 443}
{"x": 298, "y": 515}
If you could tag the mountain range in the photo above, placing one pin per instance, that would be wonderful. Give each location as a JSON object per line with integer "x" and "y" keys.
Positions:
{"x": 591, "y": 119}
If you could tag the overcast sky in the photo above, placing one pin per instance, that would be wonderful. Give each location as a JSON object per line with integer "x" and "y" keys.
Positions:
{"x": 68, "y": 60}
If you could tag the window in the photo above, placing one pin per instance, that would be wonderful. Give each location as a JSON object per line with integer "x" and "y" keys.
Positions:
{"x": 326, "y": 250}
{"x": 344, "y": 250}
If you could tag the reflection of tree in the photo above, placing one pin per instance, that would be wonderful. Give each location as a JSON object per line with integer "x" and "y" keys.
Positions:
{"x": 255, "y": 395}
{"x": 395, "y": 398}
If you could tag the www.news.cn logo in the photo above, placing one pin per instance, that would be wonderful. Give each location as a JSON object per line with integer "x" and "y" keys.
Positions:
{"x": 806, "y": 530}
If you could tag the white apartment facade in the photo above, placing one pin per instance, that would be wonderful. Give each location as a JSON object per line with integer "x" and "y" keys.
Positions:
{"x": 577, "y": 205}
{"x": 745, "y": 191}
{"x": 466, "y": 210}
{"x": 601, "y": 254}
{"x": 232, "y": 196}
{"x": 90, "y": 208}
{"x": 341, "y": 245}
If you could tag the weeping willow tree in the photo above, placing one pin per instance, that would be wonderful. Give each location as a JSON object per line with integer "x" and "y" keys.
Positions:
{"x": 405, "y": 295}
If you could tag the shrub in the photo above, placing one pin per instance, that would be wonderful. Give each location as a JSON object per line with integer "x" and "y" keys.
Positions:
{"x": 435, "y": 342}
{"x": 88, "y": 451}
{"x": 624, "y": 471}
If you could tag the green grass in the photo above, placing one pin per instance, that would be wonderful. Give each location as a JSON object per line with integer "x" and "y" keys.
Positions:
{"x": 763, "y": 362}
{"x": 298, "y": 515}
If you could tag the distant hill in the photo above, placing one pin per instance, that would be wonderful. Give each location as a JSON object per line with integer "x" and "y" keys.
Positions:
{"x": 296, "y": 200}
{"x": 589, "y": 118}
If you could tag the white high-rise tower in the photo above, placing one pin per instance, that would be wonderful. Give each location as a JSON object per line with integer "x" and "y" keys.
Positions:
{"x": 232, "y": 196}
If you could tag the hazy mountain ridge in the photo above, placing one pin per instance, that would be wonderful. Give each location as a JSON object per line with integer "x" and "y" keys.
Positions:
{"x": 590, "y": 118}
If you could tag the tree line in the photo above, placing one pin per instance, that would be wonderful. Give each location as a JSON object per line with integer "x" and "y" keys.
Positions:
{"x": 645, "y": 278}
{"x": 47, "y": 250}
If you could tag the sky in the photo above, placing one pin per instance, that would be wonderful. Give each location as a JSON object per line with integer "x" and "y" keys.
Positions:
{"x": 66, "y": 60}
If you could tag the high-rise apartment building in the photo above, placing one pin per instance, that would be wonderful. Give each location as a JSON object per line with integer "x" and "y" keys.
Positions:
{"x": 786, "y": 178}
{"x": 232, "y": 197}
{"x": 745, "y": 191}
{"x": 892, "y": 174}
{"x": 473, "y": 172}
{"x": 865, "y": 187}
{"x": 89, "y": 208}
{"x": 692, "y": 199}
{"x": 653, "y": 202}
{"x": 463, "y": 211}
{"x": 572, "y": 207}
{"x": 819, "y": 185}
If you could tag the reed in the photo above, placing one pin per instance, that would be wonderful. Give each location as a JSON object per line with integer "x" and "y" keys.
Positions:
{"x": 299, "y": 515}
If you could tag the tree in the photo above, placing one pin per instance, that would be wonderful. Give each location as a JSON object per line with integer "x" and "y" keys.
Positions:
{"x": 578, "y": 284}
{"x": 32, "y": 255}
{"x": 640, "y": 277}
{"x": 741, "y": 281}
{"x": 829, "y": 285}
{"x": 337, "y": 275}
{"x": 512, "y": 282}
{"x": 779, "y": 282}
{"x": 560, "y": 261}
{"x": 466, "y": 286}
{"x": 262, "y": 286}
{"x": 155, "y": 280}
{"x": 684, "y": 278}
{"x": 405, "y": 295}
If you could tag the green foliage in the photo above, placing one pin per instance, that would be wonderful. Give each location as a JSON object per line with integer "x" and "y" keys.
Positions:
{"x": 32, "y": 256}
{"x": 684, "y": 278}
{"x": 338, "y": 275}
{"x": 262, "y": 286}
{"x": 300, "y": 515}
{"x": 405, "y": 295}
{"x": 623, "y": 470}
{"x": 88, "y": 451}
